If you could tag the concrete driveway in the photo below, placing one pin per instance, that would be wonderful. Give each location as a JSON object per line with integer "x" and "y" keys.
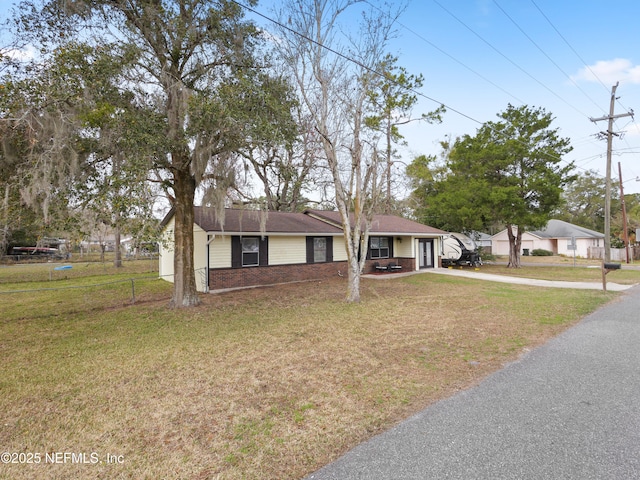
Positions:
{"x": 567, "y": 410}
{"x": 614, "y": 287}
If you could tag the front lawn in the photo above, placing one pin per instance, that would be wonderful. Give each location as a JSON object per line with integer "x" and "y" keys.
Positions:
{"x": 268, "y": 383}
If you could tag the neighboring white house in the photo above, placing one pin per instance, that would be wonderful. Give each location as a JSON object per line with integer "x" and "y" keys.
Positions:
{"x": 558, "y": 237}
{"x": 264, "y": 248}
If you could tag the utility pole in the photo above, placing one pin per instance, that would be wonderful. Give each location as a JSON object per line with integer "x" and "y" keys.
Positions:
{"x": 607, "y": 195}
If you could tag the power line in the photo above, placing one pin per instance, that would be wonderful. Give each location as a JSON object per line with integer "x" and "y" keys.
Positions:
{"x": 352, "y": 60}
{"x": 607, "y": 197}
{"x": 556, "y": 65}
{"x": 474, "y": 71}
{"x": 574, "y": 51}
{"x": 569, "y": 45}
{"x": 508, "y": 59}
{"x": 464, "y": 65}
{"x": 544, "y": 53}
{"x": 372, "y": 70}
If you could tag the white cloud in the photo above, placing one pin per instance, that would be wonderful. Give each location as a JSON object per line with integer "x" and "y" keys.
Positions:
{"x": 632, "y": 130}
{"x": 23, "y": 54}
{"x": 483, "y": 7}
{"x": 609, "y": 72}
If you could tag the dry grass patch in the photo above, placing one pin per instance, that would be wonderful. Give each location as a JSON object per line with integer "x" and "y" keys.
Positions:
{"x": 269, "y": 383}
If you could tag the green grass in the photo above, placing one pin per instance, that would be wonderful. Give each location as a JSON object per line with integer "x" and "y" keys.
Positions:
{"x": 45, "y": 272}
{"x": 90, "y": 294}
{"x": 36, "y": 290}
{"x": 266, "y": 383}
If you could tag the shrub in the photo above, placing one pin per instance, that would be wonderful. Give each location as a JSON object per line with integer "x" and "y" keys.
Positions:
{"x": 485, "y": 253}
{"x": 541, "y": 252}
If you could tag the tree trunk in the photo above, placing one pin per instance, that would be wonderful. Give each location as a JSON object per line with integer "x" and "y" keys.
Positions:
{"x": 353, "y": 289}
{"x": 185, "y": 293}
{"x": 4, "y": 239}
{"x": 515, "y": 242}
{"x": 117, "y": 262}
{"x": 353, "y": 251}
{"x": 387, "y": 202}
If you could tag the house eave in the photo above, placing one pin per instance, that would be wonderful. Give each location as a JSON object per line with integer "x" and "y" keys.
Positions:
{"x": 323, "y": 218}
{"x": 274, "y": 234}
{"x": 406, "y": 234}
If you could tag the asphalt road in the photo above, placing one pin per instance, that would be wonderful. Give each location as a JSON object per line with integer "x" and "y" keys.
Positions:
{"x": 567, "y": 410}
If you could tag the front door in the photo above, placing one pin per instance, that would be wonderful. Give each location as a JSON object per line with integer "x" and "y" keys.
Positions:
{"x": 425, "y": 253}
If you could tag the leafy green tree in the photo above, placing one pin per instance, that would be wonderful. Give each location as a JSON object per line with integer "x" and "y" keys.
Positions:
{"x": 632, "y": 205}
{"x": 112, "y": 178}
{"x": 189, "y": 55}
{"x": 440, "y": 198}
{"x": 583, "y": 204}
{"x": 422, "y": 173}
{"x": 19, "y": 225}
{"x": 39, "y": 151}
{"x": 68, "y": 127}
{"x": 510, "y": 172}
{"x": 280, "y": 150}
{"x": 583, "y": 201}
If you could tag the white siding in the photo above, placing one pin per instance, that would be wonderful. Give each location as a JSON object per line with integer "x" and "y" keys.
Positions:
{"x": 582, "y": 246}
{"x": 501, "y": 243}
{"x": 166, "y": 271}
{"x": 402, "y": 247}
{"x": 530, "y": 242}
{"x": 166, "y": 252}
{"x": 556, "y": 245}
{"x": 339, "y": 249}
{"x": 200, "y": 257}
{"x": 220, "y": 252}
{"x": 287, "y": 250}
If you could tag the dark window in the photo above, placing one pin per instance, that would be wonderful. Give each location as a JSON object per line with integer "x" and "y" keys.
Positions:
{"x": 379, "y": 247}
{"x": 250, "y": 251}
{"x": 319, "y": 249}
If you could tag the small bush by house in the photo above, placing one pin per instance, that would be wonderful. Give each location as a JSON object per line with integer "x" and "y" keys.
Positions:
{"x": 541, "y": 252}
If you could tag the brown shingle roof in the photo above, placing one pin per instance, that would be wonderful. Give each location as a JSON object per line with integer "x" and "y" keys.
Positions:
{"x": 384, "y": 223}
{"x": 248, "y": 221}
{"x": 319, "y": 222}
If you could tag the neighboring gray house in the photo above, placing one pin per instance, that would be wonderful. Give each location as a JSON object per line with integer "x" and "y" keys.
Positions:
{"x": 558, "y": 237}
{"x": 483, "y": 240}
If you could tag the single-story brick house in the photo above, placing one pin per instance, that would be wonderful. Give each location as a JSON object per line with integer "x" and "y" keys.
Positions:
{"x": 255, "y": 248}
{"x": 557, "y": 237}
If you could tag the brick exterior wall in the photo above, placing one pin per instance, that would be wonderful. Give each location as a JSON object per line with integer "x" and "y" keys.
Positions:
{"x": 220, "y": 278}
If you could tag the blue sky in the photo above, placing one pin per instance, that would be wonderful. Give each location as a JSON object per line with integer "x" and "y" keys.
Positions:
{"x": 542, "y": 53}
{"x": 477, "y": 56}
{"x": 490, "y": 60}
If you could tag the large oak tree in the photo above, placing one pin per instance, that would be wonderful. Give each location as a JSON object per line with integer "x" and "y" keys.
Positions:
{"x": 191, "y": 59}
